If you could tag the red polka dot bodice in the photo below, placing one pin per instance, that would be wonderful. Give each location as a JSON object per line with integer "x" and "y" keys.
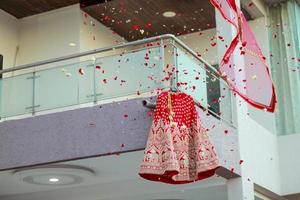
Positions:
{"x": 182, "y": 105}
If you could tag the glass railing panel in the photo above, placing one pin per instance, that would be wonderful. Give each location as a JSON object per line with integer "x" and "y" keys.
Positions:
{"x": 132, "y": 73}
{"x": 64, "y": 86}
{"x": 16, "y": 95}
{"x": 204, "y": 85}
{"x": 129, "y": 73}
{"x": 191, "y": 77}
{"x": 226, "y": 104}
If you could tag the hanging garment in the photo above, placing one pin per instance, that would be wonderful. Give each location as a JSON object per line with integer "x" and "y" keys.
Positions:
{"x": 178, "y": 149}
{"x": 255, "y": 86}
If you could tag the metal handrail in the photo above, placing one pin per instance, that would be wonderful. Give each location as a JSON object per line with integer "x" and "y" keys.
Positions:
{"x": 114, "y": 47}
{"x": 119, "y": 46}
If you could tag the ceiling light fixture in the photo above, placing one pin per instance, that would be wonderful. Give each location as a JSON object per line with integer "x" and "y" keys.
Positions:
{"x": 53, "y": 180}
{"x": 54, "y": 175}
{"x": 169, "y": 14}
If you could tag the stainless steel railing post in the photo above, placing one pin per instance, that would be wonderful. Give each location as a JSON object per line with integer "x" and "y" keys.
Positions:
{"x": 174, "y": 78}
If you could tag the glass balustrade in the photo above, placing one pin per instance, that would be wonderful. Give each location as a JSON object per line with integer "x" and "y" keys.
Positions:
{"x": 82, "y": 82}
{"x": 16, "y": 95}
{"x": 87, "y": 80}
{"x": 204, "y": 85}
{"x": 63, "y": 86}
{"x": 131, "y": 73}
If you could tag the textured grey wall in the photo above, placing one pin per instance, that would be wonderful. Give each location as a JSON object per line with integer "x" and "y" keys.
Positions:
{"x": 94, "y": 131}
{"x": 74, "y": 134}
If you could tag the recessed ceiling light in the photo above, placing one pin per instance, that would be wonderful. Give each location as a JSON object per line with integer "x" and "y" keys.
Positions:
{"x": 54, "y": 175}
{"x": 72, "y": 44}
{"x": 53, "y": 180}
{"x": 169, "y": 14}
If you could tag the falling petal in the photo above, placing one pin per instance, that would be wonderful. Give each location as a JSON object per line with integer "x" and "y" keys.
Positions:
{"x": 81, "y": 71}
{"x": 136, "y": 27}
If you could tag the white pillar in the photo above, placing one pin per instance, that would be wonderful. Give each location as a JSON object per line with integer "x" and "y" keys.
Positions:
{"x": 239, "y": 188}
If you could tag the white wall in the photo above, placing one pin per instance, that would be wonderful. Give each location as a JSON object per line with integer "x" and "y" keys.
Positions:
{"x": 201, "y": 42}
{"x": 9, "y": 38}
{"x": 42, "y": 37}
{"x": 257, "y": 143}
{"x": 289, "y": 151}
{"x": 95, "y": 35}
{"x": 48, "y": 35}
{"x": 265, "y": 119}
{"x": 260, "y": 153}
{"x": 258, "y": 139}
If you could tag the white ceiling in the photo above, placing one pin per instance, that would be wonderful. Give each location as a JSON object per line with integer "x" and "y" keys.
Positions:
{"x": 115, "y": 178}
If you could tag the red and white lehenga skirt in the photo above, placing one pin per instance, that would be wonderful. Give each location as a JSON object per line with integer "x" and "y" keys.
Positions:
{"x": 178, "y": 149}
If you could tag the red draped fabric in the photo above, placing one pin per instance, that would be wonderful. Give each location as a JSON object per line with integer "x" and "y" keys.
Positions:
{"x": 255, "y": 84}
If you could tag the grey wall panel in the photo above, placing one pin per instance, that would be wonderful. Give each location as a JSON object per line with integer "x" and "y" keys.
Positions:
{"x": 95, "y": 131}
{"x": 73, "y": 134}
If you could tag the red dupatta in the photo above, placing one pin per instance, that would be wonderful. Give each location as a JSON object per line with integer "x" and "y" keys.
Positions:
{"x": 255, "y": 85}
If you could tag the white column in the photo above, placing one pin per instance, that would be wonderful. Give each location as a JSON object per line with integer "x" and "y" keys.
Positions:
{"x": 238, "y": 188}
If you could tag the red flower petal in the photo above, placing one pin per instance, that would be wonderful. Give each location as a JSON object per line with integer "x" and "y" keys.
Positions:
{"x": 136, "y": 27}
